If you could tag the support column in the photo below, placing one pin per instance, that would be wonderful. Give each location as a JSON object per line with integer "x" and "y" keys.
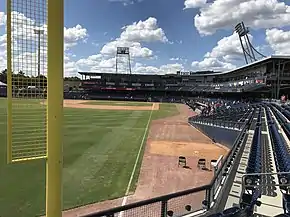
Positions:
{"x": 55, "y": 29}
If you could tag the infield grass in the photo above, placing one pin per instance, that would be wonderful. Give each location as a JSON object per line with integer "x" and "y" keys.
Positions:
{"x": 100, "y": 149}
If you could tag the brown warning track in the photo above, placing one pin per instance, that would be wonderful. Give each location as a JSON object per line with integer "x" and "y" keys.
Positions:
{"x": 168, "y": 138}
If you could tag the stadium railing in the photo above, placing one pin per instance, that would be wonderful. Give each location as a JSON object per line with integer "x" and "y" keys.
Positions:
{"x": 159, "y": 206}
{"x": 196, "y": 201}
{"x": 220, "y": 123}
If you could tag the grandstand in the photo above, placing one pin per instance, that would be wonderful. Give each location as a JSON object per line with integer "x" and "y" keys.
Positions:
{"x": 3, "y": 89}
{"x": 269, "y": 77}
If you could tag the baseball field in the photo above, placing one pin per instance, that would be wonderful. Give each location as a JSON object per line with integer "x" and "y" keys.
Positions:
{"x": 100, "y": 150}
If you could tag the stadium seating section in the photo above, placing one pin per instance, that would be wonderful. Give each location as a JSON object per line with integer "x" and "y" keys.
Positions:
{"x": 262, "y": 118}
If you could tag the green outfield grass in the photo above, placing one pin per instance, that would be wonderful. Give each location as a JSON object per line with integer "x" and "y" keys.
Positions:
{"x": 100, "y": 148}
{"x": 118, "y": 103}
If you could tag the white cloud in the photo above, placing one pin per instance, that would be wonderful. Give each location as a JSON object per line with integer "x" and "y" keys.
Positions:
{"x": 171, "y": 68}
{"x": 164, "y": 69}
{"x": 278, "y": 40}
{"x": 223, "y": 56}
{"x": 212, "y": 64}
{"x": 70, "y": 69}
{"x": 228, "y": 48}
{"x": 194, "y": 3}
{"x": 24, "y": 29}
{"x": 225, "y": 14}
{"x": 27, "y": 63}
{"x": 174, "y": 58}
{"x": 3, "y": 52}
{"x": 133, "y": 35}
{"x": 96, "y": 63}
{"x": 126, "y": 2}
{"x": 136, "y": 50}
{"x": 2, "y": 19}
{"x": 144, "y": 31}
{"x": 74, "y": 35}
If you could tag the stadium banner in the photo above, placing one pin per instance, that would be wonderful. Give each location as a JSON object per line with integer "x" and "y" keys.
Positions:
{"x": 116, "y": 88}
{"x": 26, "y": 80}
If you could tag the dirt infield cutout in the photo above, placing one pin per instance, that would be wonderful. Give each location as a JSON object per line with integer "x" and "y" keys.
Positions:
{"x": 84, "y": 104}
{"x": 120, "y": 103}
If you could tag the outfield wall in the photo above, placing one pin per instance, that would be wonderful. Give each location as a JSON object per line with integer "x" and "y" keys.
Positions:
{"x": 220, "y": 135}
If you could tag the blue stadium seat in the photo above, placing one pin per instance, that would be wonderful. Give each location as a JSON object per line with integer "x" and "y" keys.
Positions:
{"x": 286, "y": 113}
{"x": 231, "y": 211}
{"x": 282, "y": 155}
{"x": 254, "y": 161}
{"x": 215, "y": 215}
{"x": 282, "y": 215}
{"x": 287, "y": 129}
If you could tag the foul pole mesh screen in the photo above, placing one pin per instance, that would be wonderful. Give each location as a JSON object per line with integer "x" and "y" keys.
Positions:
{"x": 27, "y": 79}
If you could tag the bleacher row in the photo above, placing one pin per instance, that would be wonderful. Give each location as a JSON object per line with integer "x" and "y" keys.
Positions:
{"x": 237, "y": 86}
{"x": 221, "y": 87}
{"x": 226, "y": 117}
{"x": 260, "y": 181}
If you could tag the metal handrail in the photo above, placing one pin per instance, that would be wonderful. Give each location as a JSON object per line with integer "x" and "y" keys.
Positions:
{"x": 163, "y": 198}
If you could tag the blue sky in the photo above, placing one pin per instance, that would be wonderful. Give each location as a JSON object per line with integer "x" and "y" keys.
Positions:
{"x": 180, "y": 34}
{"x": 102, "y": 16}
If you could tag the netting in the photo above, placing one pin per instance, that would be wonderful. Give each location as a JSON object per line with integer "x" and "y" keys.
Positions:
{"x": 150, "y": 210}
{"x": 187, "y": 203}
{"x": 27, "y": 80}
{"x": 181, "y": 205}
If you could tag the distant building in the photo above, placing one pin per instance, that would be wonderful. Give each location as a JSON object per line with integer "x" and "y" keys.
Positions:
{"x": 3, "y": 89}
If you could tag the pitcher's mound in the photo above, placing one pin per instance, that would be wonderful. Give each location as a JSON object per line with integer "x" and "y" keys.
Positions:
{"x": 188, "y": 149}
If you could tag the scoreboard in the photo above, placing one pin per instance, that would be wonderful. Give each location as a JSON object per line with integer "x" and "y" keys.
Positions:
{"x": 122, "y": 50}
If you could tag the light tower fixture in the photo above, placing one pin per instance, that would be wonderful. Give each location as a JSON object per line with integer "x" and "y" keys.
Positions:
{"x": 249, "y": 50}
{"x": 38, "y": 32}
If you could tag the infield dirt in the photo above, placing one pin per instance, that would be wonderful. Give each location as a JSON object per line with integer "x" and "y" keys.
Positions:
{"x": 85, "y": 105}
{"x": 168, "y": 138}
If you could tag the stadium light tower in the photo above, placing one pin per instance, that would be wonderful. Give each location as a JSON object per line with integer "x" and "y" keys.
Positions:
{"x": 123, "y": 61}
{"x": 38, "y": 32}
{"x": 249, "y": 50}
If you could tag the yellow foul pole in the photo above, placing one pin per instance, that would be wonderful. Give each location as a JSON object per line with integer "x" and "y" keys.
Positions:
{"x": 55, "y": 28}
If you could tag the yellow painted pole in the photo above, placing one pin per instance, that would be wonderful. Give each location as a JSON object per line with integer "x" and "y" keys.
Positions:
{"x": 9, "y": 83}
{"x": 55, "y": 28}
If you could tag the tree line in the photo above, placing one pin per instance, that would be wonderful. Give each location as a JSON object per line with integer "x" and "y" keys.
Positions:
{"x": 22, "y": 80}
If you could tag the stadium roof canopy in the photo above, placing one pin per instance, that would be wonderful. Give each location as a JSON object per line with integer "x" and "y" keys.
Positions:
{"x": 259, "y": 62}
